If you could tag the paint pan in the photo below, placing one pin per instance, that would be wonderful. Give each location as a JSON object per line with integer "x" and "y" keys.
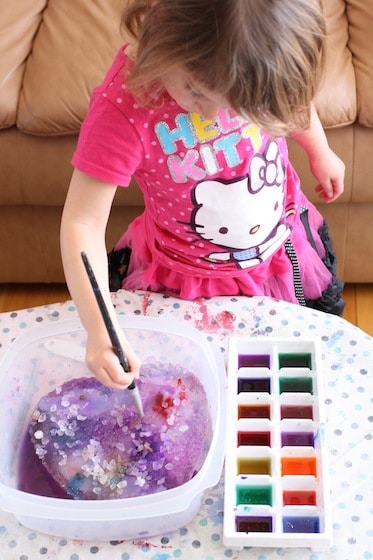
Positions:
{"x": 276, "y": 479}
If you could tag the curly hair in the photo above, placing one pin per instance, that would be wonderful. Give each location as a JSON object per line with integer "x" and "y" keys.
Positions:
{"x": 265, "y": 56}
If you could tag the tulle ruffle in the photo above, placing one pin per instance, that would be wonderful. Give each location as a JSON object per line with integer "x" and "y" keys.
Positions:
{"x": 272, "y": 278}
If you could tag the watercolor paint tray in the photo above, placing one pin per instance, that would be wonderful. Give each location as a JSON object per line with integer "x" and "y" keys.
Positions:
{"x": 276, "y": 475}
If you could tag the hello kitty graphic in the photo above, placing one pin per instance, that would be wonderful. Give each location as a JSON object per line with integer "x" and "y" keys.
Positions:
{"x": 246, "y": 216}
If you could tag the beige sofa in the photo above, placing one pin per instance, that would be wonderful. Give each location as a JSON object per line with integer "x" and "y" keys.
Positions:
{"x": 52, "y": 53}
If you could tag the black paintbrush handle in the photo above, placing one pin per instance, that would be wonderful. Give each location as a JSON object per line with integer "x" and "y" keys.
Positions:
{"x": 106, "y": 317}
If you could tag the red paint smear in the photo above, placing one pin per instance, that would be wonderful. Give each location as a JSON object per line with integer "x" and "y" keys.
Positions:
{"x": 145, "y": 303}
{"x": 163, "y": 403}
{"x": 223, "y": 320}
{"x": 182, "y": 390}
{"x": 146, "y": 544}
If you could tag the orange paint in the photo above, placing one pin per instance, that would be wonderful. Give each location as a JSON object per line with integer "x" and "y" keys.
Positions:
{"x": 298, "y": 465}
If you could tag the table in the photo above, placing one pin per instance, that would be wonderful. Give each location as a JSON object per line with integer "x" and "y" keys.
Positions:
{"x": 347, "y": 355}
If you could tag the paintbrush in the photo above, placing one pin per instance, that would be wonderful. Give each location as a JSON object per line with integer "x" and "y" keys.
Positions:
{"x": 134, "y": 391}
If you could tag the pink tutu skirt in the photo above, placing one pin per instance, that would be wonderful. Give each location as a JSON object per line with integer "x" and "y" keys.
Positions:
{"x": 274, "y": 277}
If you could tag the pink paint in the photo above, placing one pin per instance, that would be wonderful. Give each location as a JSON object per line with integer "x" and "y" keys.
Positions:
{"x": 145, "y": 303}
{"x": 214, "y": 323}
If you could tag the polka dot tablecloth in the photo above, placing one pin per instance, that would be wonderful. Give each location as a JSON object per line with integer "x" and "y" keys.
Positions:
{"x": 347, "y": 355}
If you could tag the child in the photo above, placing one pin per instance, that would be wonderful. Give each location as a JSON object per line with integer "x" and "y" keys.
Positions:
{"x": 196, "y": 108}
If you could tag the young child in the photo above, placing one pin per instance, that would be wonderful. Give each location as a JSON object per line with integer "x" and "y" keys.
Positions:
{"x": 196, "y": 107}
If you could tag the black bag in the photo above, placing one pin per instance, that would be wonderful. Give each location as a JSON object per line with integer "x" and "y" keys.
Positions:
{"x": 118, "y": 262}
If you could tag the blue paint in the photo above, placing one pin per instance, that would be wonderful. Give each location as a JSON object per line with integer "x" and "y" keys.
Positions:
{"x": 306, "y": 524}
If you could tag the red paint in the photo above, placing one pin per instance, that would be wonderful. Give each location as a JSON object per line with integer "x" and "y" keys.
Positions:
{"x": 149, "y": 545}
{"x": 299, "y": 497}
{"x": 214, "y": 323}
{"x": 182, "y": 391}
{"x": 162, "y": 404}
{"x": 254, "y": 360}
{"x": 296, "y": 411}
{"x": 145, "y": 303}
{"x": 226, "y": 320}
{"x": 254, "y": 438}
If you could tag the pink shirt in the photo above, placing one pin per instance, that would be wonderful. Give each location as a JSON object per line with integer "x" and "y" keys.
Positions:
{"x": 220, "y": 196}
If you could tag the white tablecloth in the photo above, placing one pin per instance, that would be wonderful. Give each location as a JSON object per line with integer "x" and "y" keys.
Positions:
{"x": 347, "y": 354}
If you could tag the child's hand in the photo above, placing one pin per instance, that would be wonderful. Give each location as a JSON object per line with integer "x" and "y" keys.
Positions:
{"x": 104, "y": 364}
{"x": 329, "y": 171}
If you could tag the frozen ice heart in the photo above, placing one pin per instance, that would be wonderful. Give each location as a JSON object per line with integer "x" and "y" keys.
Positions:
{"x": 81, "y": 434}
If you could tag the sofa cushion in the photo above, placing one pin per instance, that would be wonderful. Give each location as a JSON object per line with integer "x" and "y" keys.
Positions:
{"x": 65, "y": 65}
{"x": 74, "y": 47}
{"x": 18, "y": 24}
{"x": 360, "y": 16}
{"x": 336, "y": 100}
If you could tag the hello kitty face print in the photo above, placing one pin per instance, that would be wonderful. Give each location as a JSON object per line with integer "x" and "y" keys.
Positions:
{"x": 246, "y": 216}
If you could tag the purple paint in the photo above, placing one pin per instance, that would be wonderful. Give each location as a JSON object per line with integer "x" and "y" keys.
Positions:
{"x": 297, "y": 439}
{"x": 254, "y": 360}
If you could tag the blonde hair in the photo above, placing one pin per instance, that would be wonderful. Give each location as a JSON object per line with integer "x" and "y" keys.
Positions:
{"x": 265, "y": 56}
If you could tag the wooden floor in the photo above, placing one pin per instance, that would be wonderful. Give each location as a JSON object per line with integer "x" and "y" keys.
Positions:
{"x": 359, "y": 300}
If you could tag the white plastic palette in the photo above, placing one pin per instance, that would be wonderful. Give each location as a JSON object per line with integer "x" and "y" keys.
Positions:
{"x": 276, "y": 483}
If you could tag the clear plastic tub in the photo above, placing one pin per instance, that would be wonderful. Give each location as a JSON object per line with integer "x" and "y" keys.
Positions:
{"x": 28, "y": 371}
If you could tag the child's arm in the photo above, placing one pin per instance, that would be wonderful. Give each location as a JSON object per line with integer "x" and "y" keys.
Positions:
{"x": 83, "y": 227}
{"x": 327, "y": 168}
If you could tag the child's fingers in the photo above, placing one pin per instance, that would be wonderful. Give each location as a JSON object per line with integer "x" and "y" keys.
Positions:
{"x": 329, "y": 191}
{"x": 109, "y": 372}
{"x": 113, "y": 381}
